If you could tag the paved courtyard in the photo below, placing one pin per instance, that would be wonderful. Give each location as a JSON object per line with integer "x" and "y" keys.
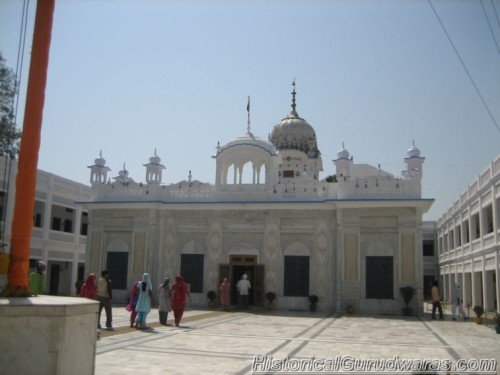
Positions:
{"x": 214, "y": 342}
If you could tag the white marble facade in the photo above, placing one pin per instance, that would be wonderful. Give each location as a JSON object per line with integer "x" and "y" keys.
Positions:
{"x": 281, "y": 210}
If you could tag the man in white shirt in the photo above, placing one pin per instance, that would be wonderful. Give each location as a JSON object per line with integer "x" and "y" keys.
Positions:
{"x": 243, "y": 286}
{"x": 104, "y": 294}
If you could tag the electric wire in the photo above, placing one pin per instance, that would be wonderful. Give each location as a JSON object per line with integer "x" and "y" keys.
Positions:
{"x": 489, "y": 25}
{"x": 465, "y": 67}
{"x": 21, "y": 65}
{"x": 14, "y": 108}
{"x": 495, "y": 10}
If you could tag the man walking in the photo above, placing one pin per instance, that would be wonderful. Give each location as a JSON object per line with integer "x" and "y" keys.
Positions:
{"x": 104, "y": 294}
{"x": 436, "y": 303}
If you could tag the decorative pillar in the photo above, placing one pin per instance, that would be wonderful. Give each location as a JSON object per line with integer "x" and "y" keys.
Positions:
{"x": 214, "y": 254}
{"x": 320, "y": 257}
{"x": 272, "y": 255}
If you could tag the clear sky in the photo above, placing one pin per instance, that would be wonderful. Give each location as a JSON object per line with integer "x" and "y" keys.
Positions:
{"x": 127, "y": 77}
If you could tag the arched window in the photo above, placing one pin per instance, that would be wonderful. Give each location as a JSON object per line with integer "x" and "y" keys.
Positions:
{"x": 247, "y": 174}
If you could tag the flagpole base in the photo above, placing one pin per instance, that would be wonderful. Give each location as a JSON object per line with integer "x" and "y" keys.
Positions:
{"x": 16, "y": 291}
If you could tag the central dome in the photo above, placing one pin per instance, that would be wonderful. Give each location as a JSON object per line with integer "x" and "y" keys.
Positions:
{"x": 295, "y": 133}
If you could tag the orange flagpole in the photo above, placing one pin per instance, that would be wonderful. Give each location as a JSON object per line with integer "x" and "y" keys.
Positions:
{"x": 18, "y": 284}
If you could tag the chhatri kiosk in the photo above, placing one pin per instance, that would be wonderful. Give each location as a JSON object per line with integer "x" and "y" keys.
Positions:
{"x": 353, "y": 239}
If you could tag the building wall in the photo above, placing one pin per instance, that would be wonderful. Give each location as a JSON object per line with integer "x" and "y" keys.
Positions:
{"x": 469, "y": 241}
{"x": 430, "y": 261}
{"x": 337, "y": 241}
{"x": 61, "y": 247}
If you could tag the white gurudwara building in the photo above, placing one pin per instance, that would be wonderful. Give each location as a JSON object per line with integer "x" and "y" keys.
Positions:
{"x": 352, "y": 241}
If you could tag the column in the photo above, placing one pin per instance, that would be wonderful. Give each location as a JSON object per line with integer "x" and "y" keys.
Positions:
{"x": 272, "y": 257}
{"x": 494, "y": 210}
{"x": 214, "y": 254}
{"x": 497, "y": 277}
{"x": 484, "y": 280}
{"x": 46, "y": 220}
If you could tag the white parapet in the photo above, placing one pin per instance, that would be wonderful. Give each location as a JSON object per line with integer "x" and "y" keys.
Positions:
{"x": 48, "y": 335}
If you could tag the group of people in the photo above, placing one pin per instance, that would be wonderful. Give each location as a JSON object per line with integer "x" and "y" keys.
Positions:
{"x": 456, "y": 302}
{"x": 102, "y": 292}
{"x": 170, "y": 297}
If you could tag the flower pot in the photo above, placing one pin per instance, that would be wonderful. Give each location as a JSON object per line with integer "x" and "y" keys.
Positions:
{"x": 312, "y": 307}
{"x": 271, "y": 306}
{"x": 497, "y": 328}
{"x": 479, "y": 320}
{"x": 211, "y": 303}
{"x": 350, "y": 309}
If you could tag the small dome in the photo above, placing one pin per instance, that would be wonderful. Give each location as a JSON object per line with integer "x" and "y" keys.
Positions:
{"x": 100, "y": 161}
{"x": 123, "y": 173}
{"x": 155, "y": 159}
{"x": 343, "y": 153}
{"x": 249, "y": 140}
{"x": 123, "y": 176}
{"x": 413, "y": 152}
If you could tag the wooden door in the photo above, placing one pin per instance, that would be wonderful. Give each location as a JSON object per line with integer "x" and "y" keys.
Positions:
{"x": 258, "y": 297}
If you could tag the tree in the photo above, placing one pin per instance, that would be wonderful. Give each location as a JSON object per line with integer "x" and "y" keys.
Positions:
{"x": 9, "y": 135}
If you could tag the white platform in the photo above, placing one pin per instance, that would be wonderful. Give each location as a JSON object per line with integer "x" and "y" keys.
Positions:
{"x": 48, "y": 335}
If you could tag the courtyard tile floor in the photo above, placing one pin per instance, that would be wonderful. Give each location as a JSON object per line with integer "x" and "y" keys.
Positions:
{"x": 214, "y": 342}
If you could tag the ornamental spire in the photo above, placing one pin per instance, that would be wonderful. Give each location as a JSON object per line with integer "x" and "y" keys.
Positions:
{"x": 294, "y": 105}
{"x": 248, "y": 114}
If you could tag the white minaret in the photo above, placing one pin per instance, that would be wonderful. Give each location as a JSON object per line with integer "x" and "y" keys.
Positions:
{"x": 343, "y": 163}
{"x": 414, "y": 163}
{"x": 154, "y": 170}
{"x": 98, "y": 171}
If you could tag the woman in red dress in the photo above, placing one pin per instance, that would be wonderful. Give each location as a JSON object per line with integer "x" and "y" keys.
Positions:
{"x": 89, "y": 287}
{"x": 179, "y": 292}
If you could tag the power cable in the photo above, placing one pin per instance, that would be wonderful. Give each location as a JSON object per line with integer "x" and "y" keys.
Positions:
{"x": 489, "y": 25}
{"x": 14, "y": 108}
{"x": 465, "y": 67}
{"x": 496, "y": 14}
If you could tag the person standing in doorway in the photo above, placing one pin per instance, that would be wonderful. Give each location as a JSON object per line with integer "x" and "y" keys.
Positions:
{"x": 104, "y": 295}
{"x": 37, "y": 279}
{"x": 224, "y": 294}
{"x": 436, "y": 303}
{"x": 243, "y": 287}
{"x": 180, "y": 291}
{"x": 165, "y": 301}
{"x": 456, "y": 302}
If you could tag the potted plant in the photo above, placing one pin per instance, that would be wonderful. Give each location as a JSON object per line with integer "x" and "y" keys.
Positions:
{"x": 496, "y": 319}
{"x": 211, "y": 295}
{"x": 407, "y": 292}
{"x": 270, "y": 296}
{"x": 479, "y": 311}
{"x": 313, "y": 300}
